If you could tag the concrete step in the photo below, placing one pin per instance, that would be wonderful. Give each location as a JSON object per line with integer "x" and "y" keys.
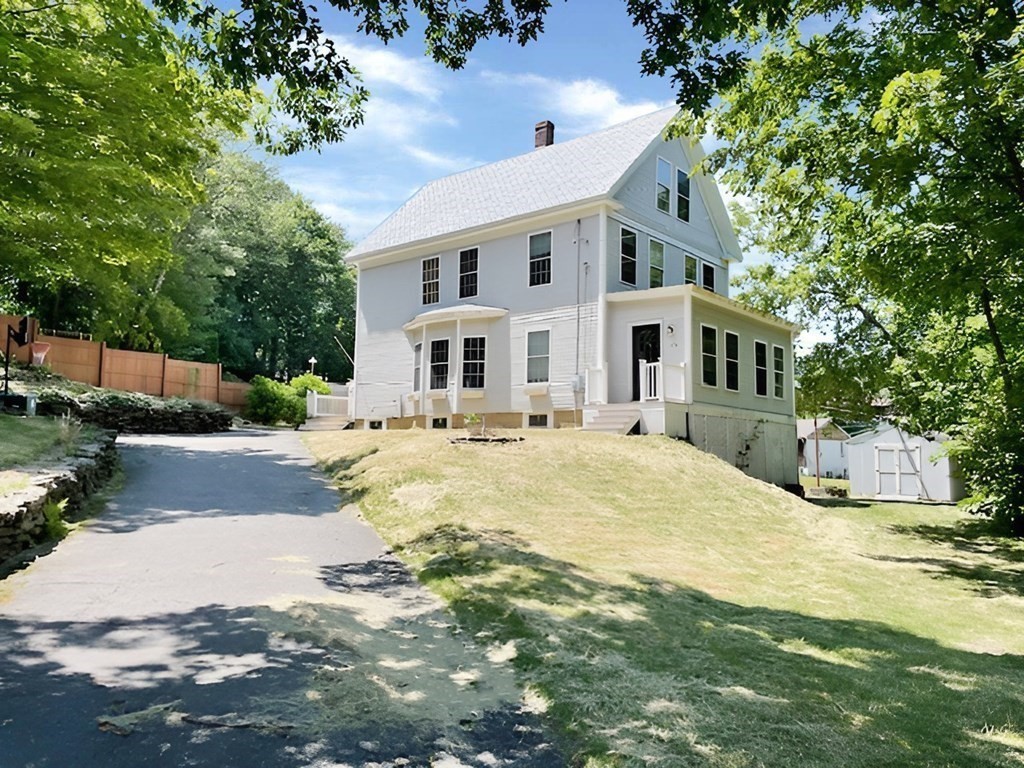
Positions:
{"x": 613, "y": 423}
{"x": 326, "y": 424}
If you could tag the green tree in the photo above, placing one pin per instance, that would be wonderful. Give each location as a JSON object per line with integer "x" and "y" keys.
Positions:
{"x": 102, "y": 130}
{"x": 883, "y": 157}
{"x": 262, "y": 282}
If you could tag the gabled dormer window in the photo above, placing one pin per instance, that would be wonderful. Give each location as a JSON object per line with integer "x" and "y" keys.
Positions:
{"x": 432, "y": 280}
{"x": 540, "y": 258}
{"x": 627, "y": 256}
{"x": 664, "y": 185}
{"x": 468, "y": 273}
{"x": 682, "y": 195}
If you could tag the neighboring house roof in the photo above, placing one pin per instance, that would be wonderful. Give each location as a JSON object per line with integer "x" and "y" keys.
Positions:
{"x": 560, "y": 175}
{"x": 805, "y": 428}
{"x": 885, "y": 427}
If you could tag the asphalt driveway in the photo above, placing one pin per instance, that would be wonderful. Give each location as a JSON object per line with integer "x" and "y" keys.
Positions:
{"x": 223, "y": 612}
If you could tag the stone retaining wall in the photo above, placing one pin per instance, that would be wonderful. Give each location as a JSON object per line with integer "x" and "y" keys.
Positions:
{"x": 22, "y": 516}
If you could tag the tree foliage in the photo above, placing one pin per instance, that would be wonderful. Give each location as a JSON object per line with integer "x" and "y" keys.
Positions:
{"x": 262, "y": 281}
{"x": 883, "y": 154}
{"x": 102, "y": 131}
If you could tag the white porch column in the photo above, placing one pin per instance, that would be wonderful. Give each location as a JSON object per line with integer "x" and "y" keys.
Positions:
{"x": 601, "y": 356}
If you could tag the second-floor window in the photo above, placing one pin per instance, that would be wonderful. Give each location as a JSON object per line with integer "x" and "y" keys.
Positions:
{"x": 664, "y": 186}
{"x": 468, "y": 271}
{"x": 538, "y": 356}
{"x": 709, "y": 355}
{"x": 657, "y": 278}
{"x": 627, "y": 256}
{"x": 760, "y": 369}
{"x": 708, "y": 276}
{"x": 474, "y": 350}
{"x": 682, "y": 195}
{"x": 690, "y": 270}
{"x": 540, "y": 258}
{"x": 732, "y": 361}
{"x": 432, "y": 280}
{"x": 779, "y": 370}
{"x": 439, "y": 364}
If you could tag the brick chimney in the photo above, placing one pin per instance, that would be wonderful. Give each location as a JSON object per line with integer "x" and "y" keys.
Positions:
{"x": 544, "y": 134}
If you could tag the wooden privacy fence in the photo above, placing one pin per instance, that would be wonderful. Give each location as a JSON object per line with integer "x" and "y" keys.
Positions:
{"x": 94, "y": 363}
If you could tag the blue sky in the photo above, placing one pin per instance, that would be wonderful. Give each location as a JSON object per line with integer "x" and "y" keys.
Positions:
{"x": 424, "y": 121}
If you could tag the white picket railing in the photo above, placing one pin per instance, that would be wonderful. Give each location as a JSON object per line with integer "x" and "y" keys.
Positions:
{"x": 650, "y": 381}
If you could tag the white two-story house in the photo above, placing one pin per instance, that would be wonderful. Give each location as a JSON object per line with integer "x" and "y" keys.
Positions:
{"x": 582, "y": 284}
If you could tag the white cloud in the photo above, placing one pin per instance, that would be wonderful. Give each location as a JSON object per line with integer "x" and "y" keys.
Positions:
{"x": 380, "y": 66}
{"x": 580, "y": 106}
{"x": 439, "y": 160}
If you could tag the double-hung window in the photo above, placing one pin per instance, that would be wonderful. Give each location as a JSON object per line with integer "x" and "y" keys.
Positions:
{"x": 474, "y": 350}
{"x": 657, "y": 253}
{"x": 432, "y": 280}
{"x": 682, "y": 195}
{"x": 690, "y": 273}
{"x": 627, "y": 256}
{"x": 709, "y": 355}
{"x": 540, "y": 258}
{"x": 708, "y": 276}
{"x": 417, "y": 366}
{"x": 779, "y": 370}
{"x": 732, "y": 361}
{"x": 760, "y": 369}
{"x": 664, "y": 186}
{"x": 439, "y": 364}
{"x": 468, "y": 271}
{"x": 538, "y": 356}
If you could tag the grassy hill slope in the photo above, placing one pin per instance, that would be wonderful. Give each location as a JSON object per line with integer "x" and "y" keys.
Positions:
{"x": 668, "y": 610}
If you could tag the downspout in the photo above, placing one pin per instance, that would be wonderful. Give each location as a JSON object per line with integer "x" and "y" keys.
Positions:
{"x": 579, "y": 278}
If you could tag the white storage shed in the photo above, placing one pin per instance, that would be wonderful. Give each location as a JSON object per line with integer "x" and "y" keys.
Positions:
{"x": 888, "y": 463}
{"x": 829, "y": 449}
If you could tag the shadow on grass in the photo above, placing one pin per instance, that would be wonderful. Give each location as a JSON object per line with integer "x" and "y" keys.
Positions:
{"x": 343, "y": 471}
{"x": 652, "y": 671}
{"x": 1002, "y": 573}
{"x": 837, "y": 501}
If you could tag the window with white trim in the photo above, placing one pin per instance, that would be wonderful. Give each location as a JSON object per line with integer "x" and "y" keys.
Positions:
{"x": 417, "y": 365}
{"x": 540, "y": 258}
{"x": 439, "y": 364}
{"x": 709, "y": 355}
{"x": 779, "y": 370}
{"x": 732, "y": 361}
{"x": 682, "y": 195}
{"x": 627, "y": 256}
{"x": 690, "y": 270}
{"x": 538, "y": 356}
{"x": 760, "y": 369}
{"x": 474, "y": 349}
{"x": 657, "y": 268}
{"x": 468, "y": 271}
{"x": 432, "y": 280}
{"x": 664, "y": 185}
{"x": 708, "y": 276}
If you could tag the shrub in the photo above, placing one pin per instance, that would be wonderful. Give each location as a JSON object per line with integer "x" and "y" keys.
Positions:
{"x": 271, "y": 402}
{"x": 307, "y": 381}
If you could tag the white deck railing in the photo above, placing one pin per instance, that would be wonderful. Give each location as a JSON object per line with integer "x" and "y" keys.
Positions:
{"x": 325, "y": 405}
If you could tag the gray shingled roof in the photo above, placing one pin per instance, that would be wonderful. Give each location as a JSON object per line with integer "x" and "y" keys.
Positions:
{"x": 549, "y": 177}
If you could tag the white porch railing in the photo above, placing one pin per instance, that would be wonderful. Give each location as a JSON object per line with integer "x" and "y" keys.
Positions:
{"x": 325, "y": 405}
{"x": 651, "y": 385}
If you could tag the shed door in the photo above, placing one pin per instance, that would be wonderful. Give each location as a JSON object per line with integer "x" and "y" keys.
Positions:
{"x": 896, "y": 470}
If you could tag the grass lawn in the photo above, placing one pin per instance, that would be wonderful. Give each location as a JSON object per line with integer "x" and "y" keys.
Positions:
{"x": 28, "y": 439}
{"x": 669, "y": 611}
